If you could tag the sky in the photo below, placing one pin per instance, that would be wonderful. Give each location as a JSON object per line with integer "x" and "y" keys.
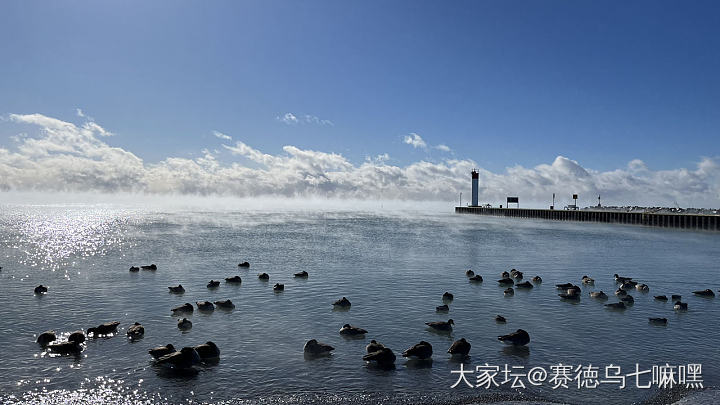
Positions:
{"x": 370, "y": 99}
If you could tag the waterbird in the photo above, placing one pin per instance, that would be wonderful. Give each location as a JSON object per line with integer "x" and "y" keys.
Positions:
{"x": 525, "y": 284}
{"x": 244, "y": 264}
{"x": 537, "y": 279}
{"x": 205, "y": 306}
{"x": 476, "y": 279}
{"x": 342, "y": 302}
{"x": 587, "y": 280}
{"x": 642, "y": 288}
{"x": 46, "y": 337}
{"x": 184, "y": 324}
{"x": 263, "y": 276}
{"x": 567, "y": 296}
{"x": 350, "y": 330}
{"x": 443, "y": 326}
{"x": 517, "y": 338}
{"x": 563, "y": 286}
{"x": 658, "y": 321}
{"x": 213, "y": 284}
{"x": 150, "y": 267}
{"x": 135, "y": 331}
{"x": 65, "y": 348}
{"x": 279, "y": 287}
{"x": 234, "y": 280}
{"x": 447, "y": 296}
{"x": 599, "y": 295}
{"x": 460, "y": 347}
{"x": 186, "y": 307}
{"x": 103, "y": 329}
{"x": 620, "y": 292}
{"x": 442, "y": 308}
{"x": 314, "y": 347}
{"x": 160, "y": 351}
{"x": 134, "y": 268}
{"x": 500, "y": 319}
{"x": 77, "y": 337}
{"x": 177, "y": 289}
{"x": 506, "y": 282}
{"x": 302, "y": 274}
{"x": 509, "y": 291}
{"x": 41, "y": 289}
{"x": 207, "y": 351}
{"x": 184, "y": 359}
{"x": 676, "y": 297}
{"x": 705, "y": 293}
{"x": 374, "y": 346}
{"x": 504, "y": 274}
{"x": 225, "y": 304}
{"x": 628, "y": 299}
{"x": 661, "y": 297}
{"x": 469, "y": 273}
{"x": 422, "y": 351}
{"x": 616, "y": 305}
{"x": 384, "y": 356}
{"x": 620, "y": 279}
{"x": 681, "y": 306}
{"x": 518, "y": 275}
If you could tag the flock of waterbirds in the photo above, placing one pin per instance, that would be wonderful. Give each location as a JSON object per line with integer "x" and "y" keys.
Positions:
{"x": 208, "y": 353}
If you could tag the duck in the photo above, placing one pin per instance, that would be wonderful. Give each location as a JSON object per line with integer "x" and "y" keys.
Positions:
{"x": 384, "y": 356}
{"x": 374, "y": 346}
{"x": 160, "y": 351}
{"x": 517, "y": 338}
{"x": 65, "y": 348}
{"x": 620, "y": 292}
{"x": 460, "y": 347}
{"x": 46, "y": 337}
{"x": 500, "y": 319}
{"x": 213, "y": 284}
{"x": 442, "y": 326}
{"x": 225, "y": 304}
{"x": 705, "y": 293}
{"x": 509, "y": 291}
{"x": 569, "y": 296}
{"x": 184, "y": 359}
{"x": 628, "y": 299}
{"x": 642, "y": 287}
{"x": 207, "y": 351}
{"x": 504, "y": 274}
{"x": 661, "y": 297}
{"x": 574, "y": 290}
{"x": 279, "y": 287}
{"x": 135, "y": 331}
{"x": 447, "y": 296}
{"x": 350, "y": 330}
{"x": 676, "y": 297}
{"x": 177, "y": 289}
{"x": 313, "y": 347}
{"x": 442, "y": 308}
{"x": 233, "y": 280}
{"x": 525, "y": 284}
{"x": 41, "y": 289}
{"x": 186, "y": 307}
{"x": 469, "y": 273}
{"x": 422, "y": 351}
{"x": 342, "y": 302}
{"x": 680, "y": 306}
{"x": 150, "y": 267}
{"x": 658, "y": 321}
{"x": 620, "y": 279}
{"x": 537, "y": 279}
{"x": 476, "y": 279}
{"x": 302, "y": 274}
{"x": 616, "y": 305}
{"x": 77, "y": 337}
{"x": 587, "y": 280}
{"x": 599, "y": 295}
{"x": 244, "y": 264}
{"x": 264, "y": 276}
{"x": 134, "y": 269}
{"x": 184, "y": 324}
{"x": 104, "y": 329}
{"x": 563, "y": 286}
{"x": 205, "y": 306}
{"x": 518, "y": 275}
{"x": 506, "y": 282}
{"x": 628, "y": 285}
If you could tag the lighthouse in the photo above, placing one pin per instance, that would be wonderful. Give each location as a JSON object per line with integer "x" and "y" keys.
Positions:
{"x": 475, "y": 179}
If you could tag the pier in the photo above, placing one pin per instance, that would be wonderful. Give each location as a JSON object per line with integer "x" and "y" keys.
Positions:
{"x": 661, "y": 220}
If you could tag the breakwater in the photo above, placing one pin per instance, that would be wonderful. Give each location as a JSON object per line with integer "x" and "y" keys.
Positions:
{"x": 662, "y": 220}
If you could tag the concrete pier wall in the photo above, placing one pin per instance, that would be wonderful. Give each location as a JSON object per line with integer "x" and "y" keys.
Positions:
{"x": 682, "y": 221}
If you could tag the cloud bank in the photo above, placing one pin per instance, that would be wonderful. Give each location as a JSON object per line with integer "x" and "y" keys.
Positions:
{"x": 77, "y": 158}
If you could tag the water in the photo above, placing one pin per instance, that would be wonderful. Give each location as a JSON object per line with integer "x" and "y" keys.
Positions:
{"x": 393, "y": 265}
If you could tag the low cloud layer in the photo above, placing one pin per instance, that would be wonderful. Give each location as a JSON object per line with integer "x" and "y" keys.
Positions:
{"x": 77, "y": 158}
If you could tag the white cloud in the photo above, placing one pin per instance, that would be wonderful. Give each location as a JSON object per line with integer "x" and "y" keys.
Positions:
{"x": 311, "y": 119}
{"x": 443, "y": 148}
{"x": 220, "y": 135}
{"x": 415, "y": 140}
{"x": 292, "y": 119}
{"x": 288, "y": 118}
{"x": 62, "y": 156}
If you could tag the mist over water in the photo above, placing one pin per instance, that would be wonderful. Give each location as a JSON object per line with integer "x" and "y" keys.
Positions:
{"x": 392, "y": 260}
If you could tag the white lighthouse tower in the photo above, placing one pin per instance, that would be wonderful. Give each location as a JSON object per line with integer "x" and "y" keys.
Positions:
{"x": 475, "y": 179}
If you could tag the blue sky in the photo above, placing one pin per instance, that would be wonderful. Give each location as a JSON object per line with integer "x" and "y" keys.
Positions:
{"x": 502, "y": 83}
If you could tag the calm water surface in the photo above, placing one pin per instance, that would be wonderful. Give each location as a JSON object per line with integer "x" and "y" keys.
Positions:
{"x": 393, "y": 266}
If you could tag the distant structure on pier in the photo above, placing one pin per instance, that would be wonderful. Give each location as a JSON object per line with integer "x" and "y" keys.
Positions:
{"x": 475, "y": 180}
